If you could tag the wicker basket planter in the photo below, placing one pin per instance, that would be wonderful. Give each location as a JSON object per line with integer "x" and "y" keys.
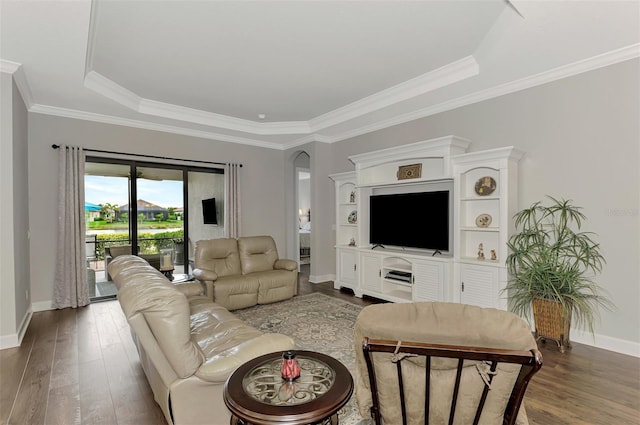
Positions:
{"x": 552, "y": 264}
{"x": 551, "y": 322}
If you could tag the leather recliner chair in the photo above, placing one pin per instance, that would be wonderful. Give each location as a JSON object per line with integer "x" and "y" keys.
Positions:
{"x": 243, "y": 272}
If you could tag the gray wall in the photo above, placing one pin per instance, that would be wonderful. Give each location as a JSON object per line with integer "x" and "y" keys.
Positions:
{"x": 581, "y": 136}
{"x": 204, "y": 186}
{"x": 262, "y": 192}
{"x": 15, "y": 297}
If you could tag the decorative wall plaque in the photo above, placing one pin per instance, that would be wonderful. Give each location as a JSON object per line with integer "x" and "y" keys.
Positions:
{"x": 413, "y": 171}
{"x": 485, "y": 186}
{"x": 483, "y": 220}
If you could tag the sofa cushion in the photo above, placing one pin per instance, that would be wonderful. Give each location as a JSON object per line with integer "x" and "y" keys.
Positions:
{"x": 226, "y": 341}
{"x": 145, "y": 291}
{"x": 218, "y": 255}
{"x": 128, "y": 268}
{"x": 235, "y": 292}
{"x": 257, "y": 253}
{"x": 275, "y": 285}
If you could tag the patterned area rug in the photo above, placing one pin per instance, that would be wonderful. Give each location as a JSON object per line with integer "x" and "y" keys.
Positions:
{"x": 318, "y": 323}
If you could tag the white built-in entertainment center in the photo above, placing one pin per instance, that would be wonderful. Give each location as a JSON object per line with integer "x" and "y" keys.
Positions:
{"x": 482, "y": 200}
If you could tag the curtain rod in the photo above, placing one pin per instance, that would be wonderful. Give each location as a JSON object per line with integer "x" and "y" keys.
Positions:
{"x": 54, "y": 146}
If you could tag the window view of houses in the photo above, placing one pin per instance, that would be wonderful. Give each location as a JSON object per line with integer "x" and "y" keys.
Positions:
{"x": 108, "y": 215}
{"x": 157, "y": 216}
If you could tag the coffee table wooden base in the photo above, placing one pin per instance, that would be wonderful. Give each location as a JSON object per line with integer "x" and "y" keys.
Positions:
{"x": 333, "y": 420}
{"x": 254, "y": 392}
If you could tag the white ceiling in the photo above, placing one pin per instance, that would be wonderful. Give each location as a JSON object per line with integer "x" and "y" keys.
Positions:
{"x": 318, "y": 70}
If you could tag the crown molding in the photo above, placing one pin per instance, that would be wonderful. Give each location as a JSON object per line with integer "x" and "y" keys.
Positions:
{"x": 315, "y": 137}
{"x": 197, "y": 116}
{"x": 114, "y": 91}
{"x": 444, "y": 146}
{"x": 16, "y": 69}
{"x": 449, "y": 74}
{"x": 446, "y": 75}
{"x": 508, "y": 152}
{"x": 108, "y": 119}
{"x": 9, "y": 67}
{"x": 110, "y": 89}
{"x": 590, "y": 64}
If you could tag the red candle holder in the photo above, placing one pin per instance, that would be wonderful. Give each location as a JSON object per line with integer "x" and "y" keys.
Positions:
{"x": 290, "y": 366}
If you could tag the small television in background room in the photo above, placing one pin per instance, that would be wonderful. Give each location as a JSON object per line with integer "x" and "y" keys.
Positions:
{"x": 209, "y": 211}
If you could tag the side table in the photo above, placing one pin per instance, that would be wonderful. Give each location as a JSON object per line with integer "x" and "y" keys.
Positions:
{"x": 256, "y": 394}
{"x": 182, "y": 277}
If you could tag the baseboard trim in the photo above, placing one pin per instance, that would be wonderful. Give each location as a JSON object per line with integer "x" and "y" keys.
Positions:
{"x": 618, "y": 345}
{"x": 14, "y": 340}
{"x": 42, "y": 306}
{"x": 9, "y": 341}
{"x": 321, "y": 278}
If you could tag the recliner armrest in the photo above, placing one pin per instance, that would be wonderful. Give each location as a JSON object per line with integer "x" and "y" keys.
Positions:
{"x": 190, "y": 289}
{"x": 205, "y": 275}
{"x": 284, "y": 264}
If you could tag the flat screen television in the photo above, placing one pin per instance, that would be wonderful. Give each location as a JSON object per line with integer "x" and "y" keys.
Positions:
{"x": 410, "y": 220}
{"x": 209, "y": 211}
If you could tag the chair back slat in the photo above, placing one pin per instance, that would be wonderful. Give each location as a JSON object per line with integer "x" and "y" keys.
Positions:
{"x": 375, "y": 411}
{"x": 456, "y": 388}
{"x": 403, "y": 405}
{"x": 485, "y": 391}
{"x": 427, "y": 389}
{"x": 530, "y": 362}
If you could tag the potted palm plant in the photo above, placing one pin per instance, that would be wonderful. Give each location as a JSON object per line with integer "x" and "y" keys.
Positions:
{"x": 552, "y": 264}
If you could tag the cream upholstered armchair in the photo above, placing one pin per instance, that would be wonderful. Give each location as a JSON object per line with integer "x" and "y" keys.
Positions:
{"x": 459, "y": 364}
{"x": 243, "y": 272}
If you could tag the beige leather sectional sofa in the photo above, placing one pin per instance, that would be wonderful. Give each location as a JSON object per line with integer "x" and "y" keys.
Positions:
{"x": 188, "y": 345}
{"x": 243, "y": 272}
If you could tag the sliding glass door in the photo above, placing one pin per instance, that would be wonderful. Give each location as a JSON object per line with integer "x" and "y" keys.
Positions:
{"x": 108, "y": 230}
{"x": 158, "y": 215}
{"x": 160, "y": 218}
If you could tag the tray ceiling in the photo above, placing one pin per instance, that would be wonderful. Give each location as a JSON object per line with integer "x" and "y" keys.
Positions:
{"x": 281, "y": 73}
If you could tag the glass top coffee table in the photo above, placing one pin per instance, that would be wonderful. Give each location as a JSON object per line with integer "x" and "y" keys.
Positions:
{"x": 256, "y": 394}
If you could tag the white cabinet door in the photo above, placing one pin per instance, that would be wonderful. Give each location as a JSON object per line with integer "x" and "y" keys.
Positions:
{"x": 347, "y": 267}
{"x": 479, "y": 285}
{"x": 370, "y": 272}
{"x": 429, "y": 278}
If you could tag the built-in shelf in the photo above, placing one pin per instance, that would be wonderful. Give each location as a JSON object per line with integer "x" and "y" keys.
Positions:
{"x": 480, "y": 229}
{"x": 482, "y": 220}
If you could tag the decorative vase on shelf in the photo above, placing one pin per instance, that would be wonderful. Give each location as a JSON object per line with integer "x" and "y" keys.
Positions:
{"x": 353, "y": 217}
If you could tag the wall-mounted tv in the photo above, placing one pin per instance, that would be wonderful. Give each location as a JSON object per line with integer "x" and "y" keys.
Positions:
{"x": 209, "y": 211}
{"x": 410, "y": 220}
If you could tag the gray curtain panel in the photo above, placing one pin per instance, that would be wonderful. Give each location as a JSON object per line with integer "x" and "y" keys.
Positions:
{"x": 70, "y": 288}
{"x": 232, "y": 206}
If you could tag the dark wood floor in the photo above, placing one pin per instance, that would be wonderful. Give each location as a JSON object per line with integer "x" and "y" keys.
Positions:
{"x": 79, "y": 366}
